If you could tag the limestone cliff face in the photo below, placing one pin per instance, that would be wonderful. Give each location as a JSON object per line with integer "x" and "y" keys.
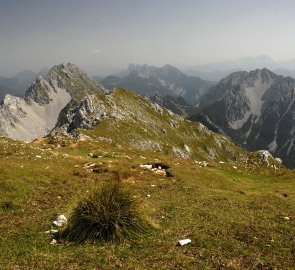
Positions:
{"x": 35, "y": 114}
{"x": 256, "y": 109}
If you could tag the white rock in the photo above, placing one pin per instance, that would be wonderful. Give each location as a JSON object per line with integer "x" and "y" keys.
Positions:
{"x": 60, "y": 221}
{"x": 160, "y": 172}
{"x": 146, "y": 166}
{"x": 235, "y": 167}
{"x": 184, "y": 242}
{"x": 53, "y": 242}
{"x": 278, "y": 160}
{"x": 52, "y": 231}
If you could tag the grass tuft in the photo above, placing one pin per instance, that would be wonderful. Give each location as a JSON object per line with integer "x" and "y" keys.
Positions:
{"x": 109, "y": 214}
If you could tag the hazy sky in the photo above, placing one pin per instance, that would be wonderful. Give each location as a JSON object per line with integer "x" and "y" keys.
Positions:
{"x": 114, "y": 33}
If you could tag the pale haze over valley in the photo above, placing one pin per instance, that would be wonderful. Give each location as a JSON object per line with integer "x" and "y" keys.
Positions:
{"x": 104, "y": 36}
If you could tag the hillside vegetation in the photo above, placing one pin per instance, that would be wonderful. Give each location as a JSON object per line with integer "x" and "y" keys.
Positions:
{"x": 239, "y": 215}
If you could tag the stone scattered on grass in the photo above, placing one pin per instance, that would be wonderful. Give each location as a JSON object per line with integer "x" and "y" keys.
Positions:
{"x": 89, "y": 166}
{"x": 202, "y": 163}
{"x": 146, "y": 166}
{"x": 53, "y": 242}
{"x": 286, "y": 218}
{"x": 184, "y": 242}
{"x": 60, "y": 221}
{"x": 52, "y": 231}
{"x": 156, "y": 168}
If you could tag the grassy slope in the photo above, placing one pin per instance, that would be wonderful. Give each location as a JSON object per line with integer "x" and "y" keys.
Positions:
{"x": 234, "y": 218}
{"x": 139, "y": 125}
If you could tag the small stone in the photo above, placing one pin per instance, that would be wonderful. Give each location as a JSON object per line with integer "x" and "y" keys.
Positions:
{"x": 53, "y": 242}
{"x": 146, "y": 166}
{"x": 286, "y": 218}
{"x": 60, "y": 221}
{"x": 52, "y": 231}
{"x": 184, "y": 242}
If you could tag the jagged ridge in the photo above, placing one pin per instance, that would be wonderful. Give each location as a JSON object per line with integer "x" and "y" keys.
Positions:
{"x": 35, "y": 114}
{"x": 125, "y": 118}
{"x": 256, "y": 109}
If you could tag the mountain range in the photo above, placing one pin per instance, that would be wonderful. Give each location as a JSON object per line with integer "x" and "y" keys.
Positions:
{"x": 148, "y": 80}
{"x": 67, "y": 101}
{"x": 256, "y": 109}
{"x": 216, "y": 71}
{"x": 183, "y": 180}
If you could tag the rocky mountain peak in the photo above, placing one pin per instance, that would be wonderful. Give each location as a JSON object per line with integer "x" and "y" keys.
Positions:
{"x": 26, "y": 118}
{"x": 256, "y": 109}
{"x": 67, "y": 68}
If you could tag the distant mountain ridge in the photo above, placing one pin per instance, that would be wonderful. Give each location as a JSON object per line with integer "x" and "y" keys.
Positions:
{"x": 256, "y": 109}
{"x": 19, "y": 83}
{"x": 218, "y": 70}
{"x": 148, "y": 80}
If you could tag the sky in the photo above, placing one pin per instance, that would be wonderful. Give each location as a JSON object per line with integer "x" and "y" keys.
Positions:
{"x": 113, "y": 33}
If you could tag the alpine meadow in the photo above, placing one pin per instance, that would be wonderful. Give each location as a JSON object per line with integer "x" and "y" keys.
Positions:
{"x": 147, "y": 134}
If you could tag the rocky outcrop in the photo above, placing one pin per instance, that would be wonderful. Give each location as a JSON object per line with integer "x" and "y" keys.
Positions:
{"x": 85, "y": 114}
{"x": 35, "y": 114}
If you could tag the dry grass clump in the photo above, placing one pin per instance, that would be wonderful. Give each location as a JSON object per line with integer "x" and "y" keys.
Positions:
{"x": 108, "y": 214}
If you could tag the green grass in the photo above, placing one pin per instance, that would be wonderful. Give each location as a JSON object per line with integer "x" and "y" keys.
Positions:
{"x": 108, "y": 214}
{"x": 235, "y": 218}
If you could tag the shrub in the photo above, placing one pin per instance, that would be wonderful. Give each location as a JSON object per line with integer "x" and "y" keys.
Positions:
{"x": 109, "y": 214}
